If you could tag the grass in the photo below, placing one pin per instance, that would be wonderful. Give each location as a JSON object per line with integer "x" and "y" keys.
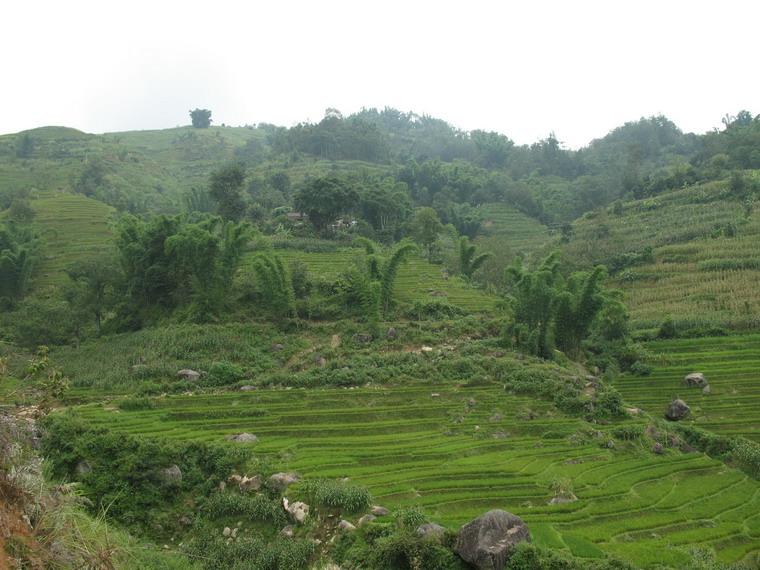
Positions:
{"x": 732, "y": 367}
{"x": 457, "y": 460}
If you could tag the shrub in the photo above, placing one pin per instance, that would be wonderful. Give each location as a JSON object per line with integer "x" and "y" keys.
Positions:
{"x": 125, "y": 471}
{"x": 254, "y": 507}
{"x": 640, "y": 368}
{"x": 250, "y": 553}
{"x": 223, "y": 373}
{"x": 334, "y": 494}
{"x": 628, "y": 433}
{"x": 409, "y": 518}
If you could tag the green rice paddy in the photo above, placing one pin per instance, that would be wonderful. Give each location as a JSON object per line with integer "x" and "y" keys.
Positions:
{"x": 458, "y": 450}
{"x": 732, "y": 367}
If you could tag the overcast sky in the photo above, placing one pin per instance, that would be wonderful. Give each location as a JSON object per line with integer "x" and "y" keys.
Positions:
{"x": 578, "y": 68}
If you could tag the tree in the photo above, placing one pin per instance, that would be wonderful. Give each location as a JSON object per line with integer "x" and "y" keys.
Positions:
{"x": 18, "y": 257}
{"x": 274, "y": 285}
{"x": 425, "y": 227}
{"x": 94, "y": 282}
{"x": 469, "y": 262}
{"x": 531, "y": 296}
{"x": 201, "y": 118}
{"x": 226, "y": 186}
{"x": 325, "y": 198}
{"x": 373, "y": 286}
{"x": 24, "y": 146}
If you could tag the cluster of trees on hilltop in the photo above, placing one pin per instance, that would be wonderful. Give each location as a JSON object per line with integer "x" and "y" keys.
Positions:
{"x": 544, "y": 179}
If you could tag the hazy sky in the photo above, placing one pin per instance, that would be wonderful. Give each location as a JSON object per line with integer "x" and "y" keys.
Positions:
{"x": 578, "y": 68}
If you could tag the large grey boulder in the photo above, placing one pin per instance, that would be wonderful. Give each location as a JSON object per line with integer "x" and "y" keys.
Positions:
{"x": 695, "y": 380}
{"x": 677, "y": 410}
{"x": 171, "y": 475}
{"x": 431, "y": 530}
{"x": 281, "y": 481}
{"x": 187, "y": 374}
{"x": 489, "y": 541}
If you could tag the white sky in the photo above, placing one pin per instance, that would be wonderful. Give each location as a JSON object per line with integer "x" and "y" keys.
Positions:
{"x": 579, "y": 68}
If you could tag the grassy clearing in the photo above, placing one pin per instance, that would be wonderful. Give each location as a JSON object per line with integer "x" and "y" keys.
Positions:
{"x": 732, "y": 367}
{"x": 456, "y": 459}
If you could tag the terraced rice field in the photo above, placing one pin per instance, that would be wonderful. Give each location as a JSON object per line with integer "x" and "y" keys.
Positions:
{"x": 417, "y": 279}
{"x": 73, "y": 228}
{"x": 458, "y": 458}
{"x": 507, "y": 225}
{"x": 732, "y": 367}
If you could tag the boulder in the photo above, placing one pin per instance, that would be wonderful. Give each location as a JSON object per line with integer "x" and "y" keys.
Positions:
{"x": 366, "y": 519}
{"x": 281, "y": 481}
{"x": 431, "y": 530}
{"x": 362, "y": 338}
{"x": 227, "y": 531}
{"x": 489, "y": 541}
{"x": 657, "y": 448}
{"x": 391, "y": 334}
{"x": 695, "y": 380}
{"x": 677, "y": 410}
{"x": 298, "y": 510}
{"x": 706, "y": 390}
{"x": 248, "y": 484}
{"x": 171, "y": 474}
{"x": 243, "y": 438}
{"x": 379, "y": 511}
{"x": 320, "y": 361}
{"x": 247, "y": 388}
{"x": 83, "y": 468}
{"x": 189, "y": 375}
{"x": 288, "y": 531}
{"x": 345, "y": 525}
{"x": 563, "y": 499}
{"x": 277, "y": 347}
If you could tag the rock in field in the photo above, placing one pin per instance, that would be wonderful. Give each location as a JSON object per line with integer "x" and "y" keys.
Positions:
{"x": 366, "y": 519}
{"x": 431, "y": 530}
{"x": 489, "y": 541}
{"x": 657, "y": 448}
{"x": 247, "y": 388}
{"x": 391, "y": 334}
{"x": 298, "y": 510}
{"x": 248, "y": 484}
{"x": 280, "y": 481}
{"x": 706, "y": 390}
{"x": 288, "y": 531}
{"x": 172, "y": 474}
{"x": 563, "y": 499}
{"x": 695, "y": 380}
{"x": 243, "y": 438}
{"x": 345, "y": 525}
{"x": 677, "y": 410}
{"x": 187, "y": 374}
{"x": 379, "y": 511}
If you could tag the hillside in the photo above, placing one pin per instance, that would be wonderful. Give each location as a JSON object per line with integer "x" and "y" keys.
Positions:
{"x": 703, "y": 268}
{"x": 337, "y": 344}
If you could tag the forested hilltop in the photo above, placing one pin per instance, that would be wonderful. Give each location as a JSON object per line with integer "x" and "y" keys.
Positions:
{"x": 332, "y": 345}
